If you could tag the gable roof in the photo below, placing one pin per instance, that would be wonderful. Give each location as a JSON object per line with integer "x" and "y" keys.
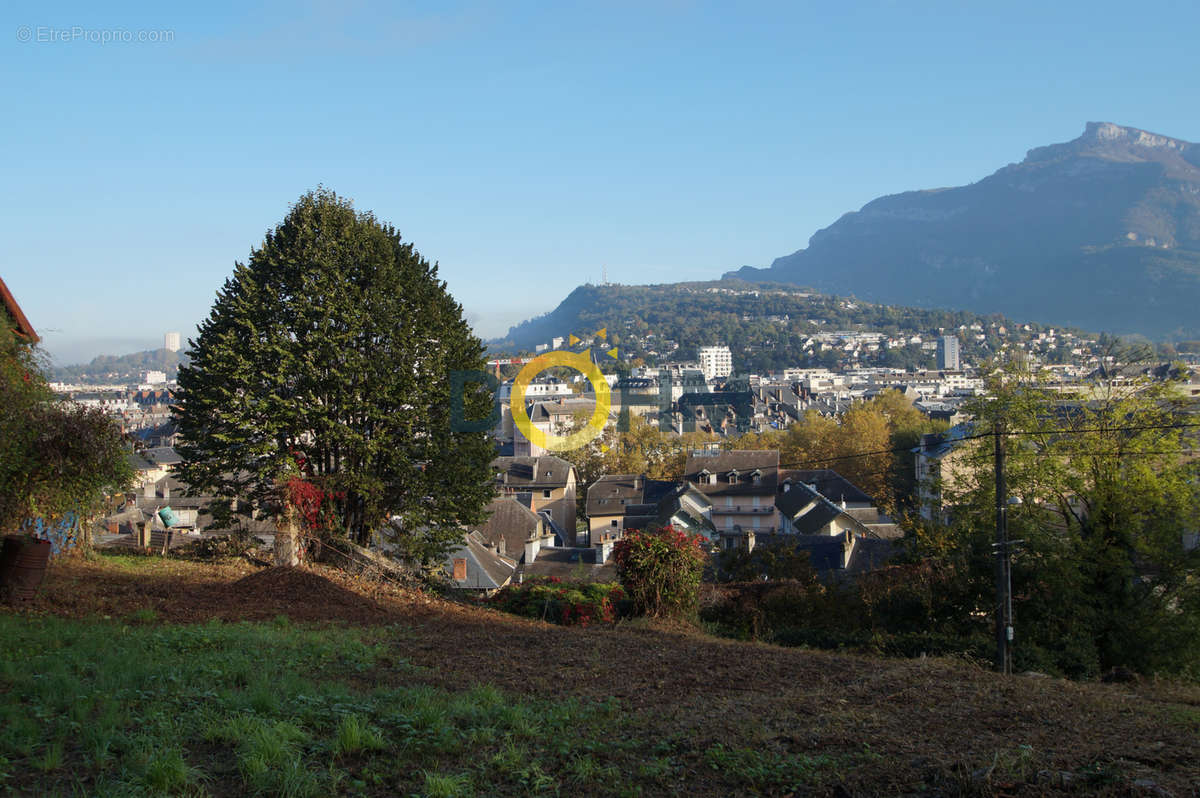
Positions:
{"x": 674, "y": 510}
{"x": 826, "y": 553}
{"x": 528, "y": 473}
{"x": 548, "y": 410}
{"x": 743, "y": 461}
{"x": 612, "y": 493}
{"x": 491, "y": 570}
{"x": 20, "y": 323}
{"x": 626, "y": 494}
{"x": 139, "y": 463}
{"x": 162, "y": 455}
{"x": 571, "y": 563}
{"x": 509, "y": 522}
{"x": 828, "y": 483}
{"x": 807, "y": 509}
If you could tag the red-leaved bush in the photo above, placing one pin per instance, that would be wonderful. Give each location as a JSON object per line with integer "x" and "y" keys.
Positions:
{"x": 661, "y": 570}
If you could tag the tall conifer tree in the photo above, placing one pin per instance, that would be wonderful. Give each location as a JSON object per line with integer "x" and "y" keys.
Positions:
{"x": 328, "y": 357}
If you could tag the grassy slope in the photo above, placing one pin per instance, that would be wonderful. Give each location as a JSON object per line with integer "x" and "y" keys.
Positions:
{"x": 145, "y": 676}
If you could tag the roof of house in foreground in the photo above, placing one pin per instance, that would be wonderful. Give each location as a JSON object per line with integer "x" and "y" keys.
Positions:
{"x": 20, "y": 322}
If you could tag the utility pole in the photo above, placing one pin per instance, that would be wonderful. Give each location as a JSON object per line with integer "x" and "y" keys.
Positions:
{"x": 1004, "y": 617}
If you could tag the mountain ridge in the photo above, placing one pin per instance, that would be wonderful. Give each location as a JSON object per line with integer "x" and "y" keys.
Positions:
{"x": 1101, "y": 232}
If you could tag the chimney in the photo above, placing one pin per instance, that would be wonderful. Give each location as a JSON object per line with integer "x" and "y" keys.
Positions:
{"x": 148, "y": 490}
{"x": 532, "y": 547}
{"x": 166, "y": 490}
{"x": 847, "y": 548}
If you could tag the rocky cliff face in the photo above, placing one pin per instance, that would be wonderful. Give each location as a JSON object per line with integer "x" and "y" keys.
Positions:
{"x": 1102, "y": 232}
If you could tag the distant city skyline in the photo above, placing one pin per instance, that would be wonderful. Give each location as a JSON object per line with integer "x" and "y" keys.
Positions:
{"x": 526, "y": 149}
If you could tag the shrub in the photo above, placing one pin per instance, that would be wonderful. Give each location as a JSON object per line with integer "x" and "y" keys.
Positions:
{"x": 57, "y": 460}
{"x": 661, "y": 570}
{"x": 215, "y": 547}
{"x": 567, "y": 603}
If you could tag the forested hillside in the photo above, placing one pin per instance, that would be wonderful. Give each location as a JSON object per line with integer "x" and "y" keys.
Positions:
{"x": 123, "y": 367}
{"x": 767, "y": 326}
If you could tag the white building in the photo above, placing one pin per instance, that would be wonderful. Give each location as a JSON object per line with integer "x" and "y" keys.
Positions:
{"x": 171, "y": 342}
{"x": 947, "y": 353}
{"x": 716, "y": 361}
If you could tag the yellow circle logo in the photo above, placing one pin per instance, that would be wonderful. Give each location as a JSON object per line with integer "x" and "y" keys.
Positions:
{"x": 560, "y": 443}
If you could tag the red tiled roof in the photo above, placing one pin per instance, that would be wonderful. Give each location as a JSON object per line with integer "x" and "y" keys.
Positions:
{"x": 23, "y": 327}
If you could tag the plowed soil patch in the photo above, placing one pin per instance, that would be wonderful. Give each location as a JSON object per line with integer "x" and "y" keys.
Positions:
{"x": 302, "y": 595}
{"x": 180, "y": 591}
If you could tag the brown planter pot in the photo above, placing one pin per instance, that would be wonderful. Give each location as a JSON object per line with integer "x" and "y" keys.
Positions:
{"x": 22, "y": 567}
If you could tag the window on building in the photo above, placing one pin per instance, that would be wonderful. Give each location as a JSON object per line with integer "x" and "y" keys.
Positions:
{"x": 614, "y": 522}
{"x": 460, "y": 569}
{"x": 545, "y": 494}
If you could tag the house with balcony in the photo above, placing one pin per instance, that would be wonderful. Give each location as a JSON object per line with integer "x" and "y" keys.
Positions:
{"x": 740, "y": 485}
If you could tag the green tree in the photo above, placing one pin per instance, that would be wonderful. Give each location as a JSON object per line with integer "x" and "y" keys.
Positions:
{"x": 55, "y": 458}
{"x": 1106, "y": 497}
{"x": 329, "y": 357}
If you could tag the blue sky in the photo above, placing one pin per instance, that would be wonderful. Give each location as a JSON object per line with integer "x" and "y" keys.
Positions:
{"x": 523, "y": 146}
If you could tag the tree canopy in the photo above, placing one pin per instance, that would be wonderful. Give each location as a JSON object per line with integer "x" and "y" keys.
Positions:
{"x": 55, "y": 458}
{"x": 329, "y": 357}
{"x": 1105, "y": 504}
